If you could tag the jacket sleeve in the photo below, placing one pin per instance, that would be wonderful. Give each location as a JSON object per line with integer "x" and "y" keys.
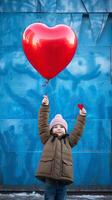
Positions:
{"x": 43, "y": 125}
{"x": 77, "y": 131}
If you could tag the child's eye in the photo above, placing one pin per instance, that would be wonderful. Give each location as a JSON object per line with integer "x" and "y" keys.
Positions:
{"x": 55, "y": 126}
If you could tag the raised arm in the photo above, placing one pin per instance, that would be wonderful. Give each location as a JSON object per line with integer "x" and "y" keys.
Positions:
{"x": 78, "y": 129}
{"x": 43, "y": 116}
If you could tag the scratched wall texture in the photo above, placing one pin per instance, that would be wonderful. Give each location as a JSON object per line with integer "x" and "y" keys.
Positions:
{"x": 87, "y": 80}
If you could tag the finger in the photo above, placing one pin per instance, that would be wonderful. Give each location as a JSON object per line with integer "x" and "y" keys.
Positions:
{"x": 45, "y": 96}
{"x": 84, "y": 111}
{"x": 44, "y": 99}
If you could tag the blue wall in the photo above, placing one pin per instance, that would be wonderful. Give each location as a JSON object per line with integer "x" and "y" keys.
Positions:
{"x": 87, "y": 80}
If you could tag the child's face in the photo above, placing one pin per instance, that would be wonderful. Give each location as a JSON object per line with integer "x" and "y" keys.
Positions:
{"x": 59, "y": 129}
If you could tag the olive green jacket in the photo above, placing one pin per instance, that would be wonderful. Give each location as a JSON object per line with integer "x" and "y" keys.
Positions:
{"x": 56, "y": 161}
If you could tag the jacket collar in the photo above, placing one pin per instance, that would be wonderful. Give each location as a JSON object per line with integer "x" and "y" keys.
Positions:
{"x": 60, "y": 136}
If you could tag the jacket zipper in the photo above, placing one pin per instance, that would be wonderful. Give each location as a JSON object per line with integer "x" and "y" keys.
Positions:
{"x": 61, "y": 159}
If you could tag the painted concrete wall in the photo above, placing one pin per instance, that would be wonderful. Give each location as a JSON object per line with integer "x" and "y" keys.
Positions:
{"x": 87, "y": 80}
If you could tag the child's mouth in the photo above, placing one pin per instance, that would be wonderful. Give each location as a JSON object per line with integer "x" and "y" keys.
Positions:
{"x": 60, "y": 133}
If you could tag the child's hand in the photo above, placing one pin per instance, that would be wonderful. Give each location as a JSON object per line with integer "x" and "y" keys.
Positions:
{"x": 82, "y": 109}
{"x": 45, "y": 100}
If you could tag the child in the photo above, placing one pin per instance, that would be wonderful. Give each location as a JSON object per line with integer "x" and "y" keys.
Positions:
{"x": 55, "y": 167}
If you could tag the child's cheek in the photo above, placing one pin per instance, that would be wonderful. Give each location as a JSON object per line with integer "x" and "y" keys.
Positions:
{"x": 63, "y": 130}
{"x": 54, "y": 130}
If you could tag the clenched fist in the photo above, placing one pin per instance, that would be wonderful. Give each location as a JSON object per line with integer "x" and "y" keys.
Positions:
{"x": 45, "y": 100}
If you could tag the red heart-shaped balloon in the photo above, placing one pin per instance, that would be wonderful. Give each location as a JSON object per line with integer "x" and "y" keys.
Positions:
{"x": 49, "y": 49}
